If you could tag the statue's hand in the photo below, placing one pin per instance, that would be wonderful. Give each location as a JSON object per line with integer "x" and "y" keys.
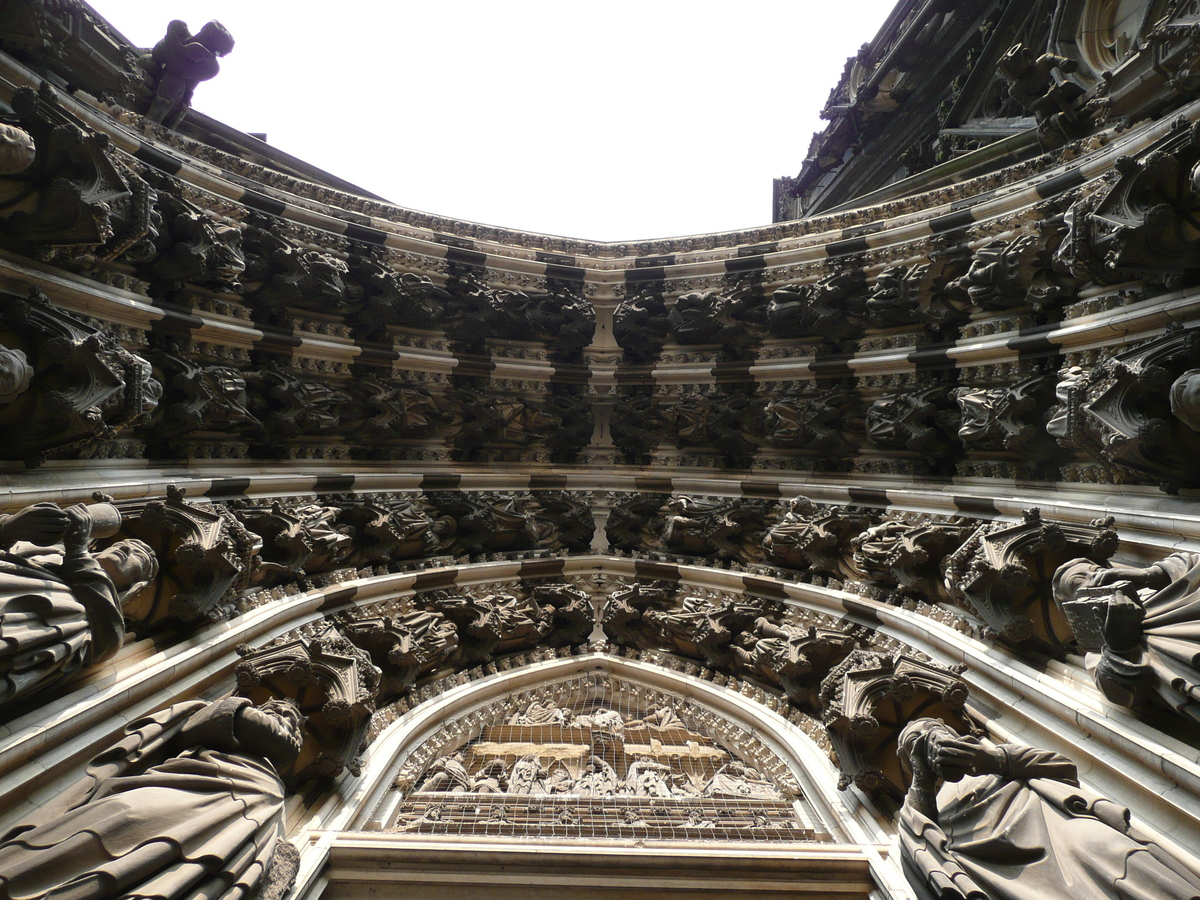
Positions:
{"x": 78, "y": 531}
{"x": 1138, "y": 578}
{"x": 953, "y": 758}
{"x": 42, "y": 524}
{"x": 1123, "y": 622}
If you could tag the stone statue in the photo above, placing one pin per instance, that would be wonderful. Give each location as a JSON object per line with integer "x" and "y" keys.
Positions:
{"x": 598, "y": 779}
{"x": 58, "y": 618}
{"x": 736, "y": 779}
{"x": 447, "y": 773}
{"x": 1008, "y": 822}
{"x": 528, "y": 776}
{"x": 1147, "y": 647}
{"x": 647, "y": 778}
{"x": 188, "y": 804}
{"x": 491, "y": 779}
{"x": 179, "y": 62}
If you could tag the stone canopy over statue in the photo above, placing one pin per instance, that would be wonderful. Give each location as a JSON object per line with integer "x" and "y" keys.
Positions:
{"x": 1006, "y": 822}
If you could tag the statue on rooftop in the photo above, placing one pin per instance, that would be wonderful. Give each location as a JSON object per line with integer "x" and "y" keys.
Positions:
{"x": 179, "y": 62}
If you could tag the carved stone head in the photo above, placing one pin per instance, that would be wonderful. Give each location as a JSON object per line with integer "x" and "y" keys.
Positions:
{"x": 15, "y": 374}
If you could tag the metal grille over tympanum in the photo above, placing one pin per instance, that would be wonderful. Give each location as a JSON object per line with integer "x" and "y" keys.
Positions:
{"x": 596, "y": 756}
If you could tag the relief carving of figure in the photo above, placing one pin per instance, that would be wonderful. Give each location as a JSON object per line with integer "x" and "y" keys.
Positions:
{"x": 1008, "y": 822}
{"x": 1148, "y": 646}
{"x": 598, "y": 779}
{"x": 189, "y": 803}
{"x": 447, "y": 773}
{"x": 58, "y": 618}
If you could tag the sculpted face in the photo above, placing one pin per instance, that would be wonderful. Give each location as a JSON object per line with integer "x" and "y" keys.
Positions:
{"x": 16, "y": 150}
{"x": 1071, "y": 576}
{"x": 131, "y": 565}
{"x": 15, "y": 374}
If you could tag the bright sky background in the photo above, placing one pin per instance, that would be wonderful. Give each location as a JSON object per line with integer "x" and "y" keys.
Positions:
{"x": 611, "y": 120}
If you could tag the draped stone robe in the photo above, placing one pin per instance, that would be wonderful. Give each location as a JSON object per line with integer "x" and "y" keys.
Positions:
{"x": 156, "y": 818}
{"x": 55, "y": 620}
{"x": 1034, "y": 835}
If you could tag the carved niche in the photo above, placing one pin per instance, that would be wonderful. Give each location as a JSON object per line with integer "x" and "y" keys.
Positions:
{"x": 705, "y": 629}
{"x": 1139, "y": 409}
{"x": 332, "y": 682}
{"x": 924, "y": 422}
{"x": 489, "y": 522}
{"x": 70, "y": 193}
{"x": 816, "y": 538}
{"x": 204, "y": 557}
{"x": 1006, "y": 419}
{"x": 294, "y": 542}
{"x": 867, "y": 700}
{"x": 1145, "y": 224}
{"x": 403, "y": 647}
{"x": 794, "y": 658}
{"x": 492, "y": 624}
{"x": 814, "y": 423}
{"x": 63, "y": 382}
{"x": 562, "y": 322}
{"x": 707, "y": 317}
{"x": 623, "y": 615}
{"x": 1005, "y": 573}
{"x": 387, "y": 297}
{"x": 640, "y": 326}
{"x": 199, "y": 400}
{"x": 280, "y": 274}
{"x": 833, "y": 306}
{"x": 185, "y": 246}
{"x": 289, "y": 406}
{"x": 908, "y": 555}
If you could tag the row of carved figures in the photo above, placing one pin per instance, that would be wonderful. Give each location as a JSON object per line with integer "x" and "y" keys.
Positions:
{"x": 68, "y": 388}
{"x": 209, "y": 783}
{"x": 1137, "y": 410}
{"x": 144, "y": 224}
{"x": 1039, "y": 586}
{"x": 138, "y": 221}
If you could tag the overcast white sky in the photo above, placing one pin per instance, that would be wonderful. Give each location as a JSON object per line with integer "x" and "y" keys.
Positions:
{"x": 611, "y": 120}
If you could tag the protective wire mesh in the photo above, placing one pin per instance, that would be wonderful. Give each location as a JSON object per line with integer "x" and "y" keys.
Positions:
{"x": 597, "y": 757}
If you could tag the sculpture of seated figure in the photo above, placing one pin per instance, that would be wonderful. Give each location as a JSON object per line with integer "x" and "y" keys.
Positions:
{"x": 188, "y": 804}
{"x": 57, "y": 619}
{"x": 1149, "y": 646}
{"x": 1006, "y": 822}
